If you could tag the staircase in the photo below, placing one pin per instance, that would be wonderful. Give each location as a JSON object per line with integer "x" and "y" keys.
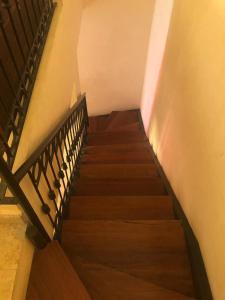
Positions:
{"x": 120, "y": 234}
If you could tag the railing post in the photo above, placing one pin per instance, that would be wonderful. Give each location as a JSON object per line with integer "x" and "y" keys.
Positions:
{"x": 39, "y": 234}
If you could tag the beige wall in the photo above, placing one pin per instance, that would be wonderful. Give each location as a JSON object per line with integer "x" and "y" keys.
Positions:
{"x": 188, "y": 126}
{"x": 57, "y": 83}
{"x": 112, "y": 52}
{"x": 156, "y": 48}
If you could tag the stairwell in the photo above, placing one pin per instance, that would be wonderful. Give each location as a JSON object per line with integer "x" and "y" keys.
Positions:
{"x": 120, "y": 238}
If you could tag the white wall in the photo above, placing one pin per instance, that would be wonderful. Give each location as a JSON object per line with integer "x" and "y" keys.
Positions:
{"x": 187, "y": 127}
{"x": 112, "y": 53}
{"x": 156, "y": 48}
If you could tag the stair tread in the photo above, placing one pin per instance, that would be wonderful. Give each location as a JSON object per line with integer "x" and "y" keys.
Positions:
{"x": 151, "y": 250}
{"x": 106, "y": 283}
{"x": 118, "y": 171}
{"x": 141, "y": 146}
{"x": 112, "y": 208}
{"x": 135, "y": 126}
{"x": 118, "y": 153}
{"x": 49, "y": 267}
{"x": 110, "y": 138}
{"x": 125, "y": 158}
{"x": 122, "y": 118}
{"x": 98, "y": 123}
{"x": 121, "y": 186}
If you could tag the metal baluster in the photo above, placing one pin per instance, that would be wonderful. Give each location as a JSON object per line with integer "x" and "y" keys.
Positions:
{"x": 57, "y": 184}
{"x": 73, "y": 138}
{"x": 45, "y": 208}
{"x": 18, "y": 6}
{"x": 77, "y": 135}
{"x": 14, "y": 128}
{"x": 64, "y": 165}
{"x": 70, "y": 141}
{"x": 28, "y": 17}
{"x": 8, "y": 46}
{"x": 76, "y": 132}
{"x": 73, "y": 134}
{"x": 7, "y": 6}
{"x": 6, "y": 147}
{"x": 7, "y": 78}
{"x": 51, "y": 194}
{"x": 59, "y": 166}
{"x": 65, "y": 146}
{"x": 49, "y": 5}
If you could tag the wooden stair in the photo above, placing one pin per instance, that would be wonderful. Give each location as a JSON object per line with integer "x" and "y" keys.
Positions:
{"x": 120, "y": 233}
{"x": 120, "y": 208}
{"x": 53, "y": 277}
{"x": 107, "y": 283}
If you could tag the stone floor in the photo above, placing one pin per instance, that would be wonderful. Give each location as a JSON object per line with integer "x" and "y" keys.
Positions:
{"x": 12, "y": 234}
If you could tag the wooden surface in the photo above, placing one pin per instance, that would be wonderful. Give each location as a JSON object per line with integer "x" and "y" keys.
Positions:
{"x": 53, "y": 277}
{"x": 120, "y": 208}
{"x": 106, "y": 138}
{"x": 152, "y": 250}
{"x": 126, "y": 187}
{"x": 108, "y": 283}
{"x": 118, "y": 171}
{"x": 120, "y": 233}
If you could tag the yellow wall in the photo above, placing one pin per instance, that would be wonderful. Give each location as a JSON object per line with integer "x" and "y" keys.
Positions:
{"x": 112, "y": 52}
{"x": 56, "y": 89}
{"x": 188, "y": 126}
{"x": 156, "y": 48}
{"x": 57, "y": 83}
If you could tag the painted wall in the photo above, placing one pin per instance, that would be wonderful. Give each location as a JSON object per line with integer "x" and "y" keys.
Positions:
{"x": 55, "y": 90}
{"x": 187, "y": 126}
{"x": 156, "y": 48}
{"x": 57, "y": 83}
{"x": 112, "y": 52}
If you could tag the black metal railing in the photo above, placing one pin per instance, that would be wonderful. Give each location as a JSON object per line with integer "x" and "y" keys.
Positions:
{"x": 24, "y": 25}
{"x": 43, "y": 183}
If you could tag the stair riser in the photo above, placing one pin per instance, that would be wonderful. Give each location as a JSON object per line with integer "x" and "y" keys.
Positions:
{"x": 113, "y": 138}
{"x": 133, "y": 127}
{"x": 119, "y": 148}
{"x": 119, "y": 119}
{"x": 118, "y": 171}
{"x": 119, "y": 189}
{"x": 121, "y": 208}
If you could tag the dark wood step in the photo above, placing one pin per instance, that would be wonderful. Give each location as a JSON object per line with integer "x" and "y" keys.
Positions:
{"x": 120, "y": 208}
{"x": 118, "y": 153}
{"x": 118, "y": 148}
{"x": 110, "y": 157}
{"x": 106, "y": 283}
{"x": 122, "y": 187}
{"x": 129, "y": 127}
{"x": 152, "y": 250}
{"x": 53, "y": 277}
{"x": 98, "y": 123}
{"x": 116, "y": 171}
{"x": 118, "y": 119}
{"x": 110, "y": 138}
